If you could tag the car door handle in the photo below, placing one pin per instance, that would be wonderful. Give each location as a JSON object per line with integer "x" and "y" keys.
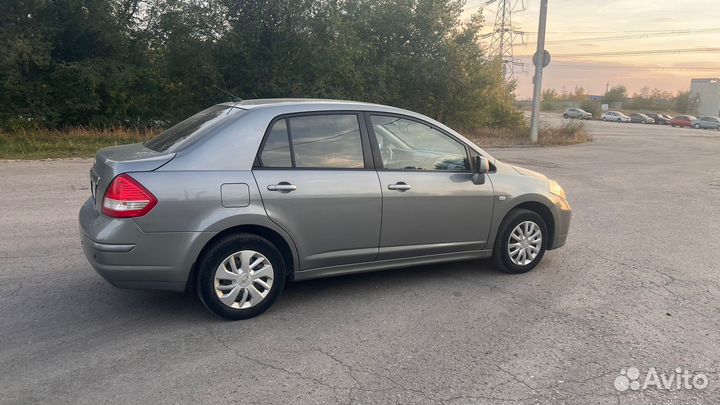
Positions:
{"x": 284, "y": 186}
{"x": 399, "y": 186}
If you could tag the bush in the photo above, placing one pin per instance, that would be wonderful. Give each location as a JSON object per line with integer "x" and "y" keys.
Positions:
{"x": 569, "y": 133}
{"x": 593, "y": 107}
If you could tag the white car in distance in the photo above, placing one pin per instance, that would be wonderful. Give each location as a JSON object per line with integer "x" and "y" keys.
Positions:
{"x": 615, "y": 116}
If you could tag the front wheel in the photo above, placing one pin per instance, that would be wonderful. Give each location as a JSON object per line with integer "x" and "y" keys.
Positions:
{"x": 619, "y": 120}
{"x": 521, "y": 242}
{"x": 696, "y": 126}
{"x": 604, "y": 118}
{"x": 566, "y": 116}
{"x": 241, "y": 276}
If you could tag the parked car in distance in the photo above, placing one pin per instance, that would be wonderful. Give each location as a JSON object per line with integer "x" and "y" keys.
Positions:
{"x": 641, "y": 118}
{"x": 682, "y": 121}
{"x": 239, "y": 198}
{"x": 615, "y": 116}
{"x": 660, "y": 118}
{"x": 577, "y": 113}
{"x": 706, "y": 122}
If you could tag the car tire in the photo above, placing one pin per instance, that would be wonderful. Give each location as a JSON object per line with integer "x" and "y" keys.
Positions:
{"x": 503, "y": 254}
{"x": 619, "y": 120}
{"x": 696, "y": 126}
{"x": 644, "y": 122}
{"x": 566, "y": 116}
{"x": 604, "y": 118}
{"x": 237, "y": 253}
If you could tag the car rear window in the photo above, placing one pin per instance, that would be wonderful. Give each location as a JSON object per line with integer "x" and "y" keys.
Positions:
{"x": 191, "y": 129}
{"x": 314, "y": 141}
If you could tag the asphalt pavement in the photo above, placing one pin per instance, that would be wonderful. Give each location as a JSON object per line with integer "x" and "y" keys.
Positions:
{"x": 637, "y": 285}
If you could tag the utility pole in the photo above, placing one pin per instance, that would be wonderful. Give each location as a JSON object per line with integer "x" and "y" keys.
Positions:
{"x": 537, "y": 81}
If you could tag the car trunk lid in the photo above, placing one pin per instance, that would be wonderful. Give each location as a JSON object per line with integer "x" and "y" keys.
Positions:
{"x": 115, "y": 160}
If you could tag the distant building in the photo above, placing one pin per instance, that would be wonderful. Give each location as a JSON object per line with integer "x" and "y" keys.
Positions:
{"x": 708, "y": 93}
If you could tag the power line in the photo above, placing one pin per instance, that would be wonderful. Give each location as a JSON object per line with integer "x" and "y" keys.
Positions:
{"x": 634, "y": 36}
{"x": 624, "y": 31}
{"x": 634, "y": 52}
{"x": 628, "y": 67}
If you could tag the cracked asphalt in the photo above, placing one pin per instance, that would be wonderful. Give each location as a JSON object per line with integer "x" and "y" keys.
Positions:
{"x": 636, "y": 285}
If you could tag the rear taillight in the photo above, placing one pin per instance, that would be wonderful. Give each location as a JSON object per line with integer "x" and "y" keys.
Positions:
{"x": 126, "y": 198}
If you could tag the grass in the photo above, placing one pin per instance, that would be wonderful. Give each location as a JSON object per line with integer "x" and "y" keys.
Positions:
{"x": 569, "y": 133}
{"x": 73, "y": 142}
{"x": 81, "y": 142}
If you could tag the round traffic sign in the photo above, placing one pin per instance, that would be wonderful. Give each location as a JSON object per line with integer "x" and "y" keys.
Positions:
{"x": 546, "y": 59}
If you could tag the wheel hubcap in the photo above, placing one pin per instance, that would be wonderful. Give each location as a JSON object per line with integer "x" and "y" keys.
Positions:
{"x": 243, "y": 279}
{"x": 524, "y": 243}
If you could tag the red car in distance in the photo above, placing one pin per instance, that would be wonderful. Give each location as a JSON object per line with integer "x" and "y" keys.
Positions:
{"x": 682, "y": 121}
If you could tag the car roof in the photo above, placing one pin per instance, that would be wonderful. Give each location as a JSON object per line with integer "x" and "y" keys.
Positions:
{"x": 298, "y": 105}
{"x": 304, "y": 102}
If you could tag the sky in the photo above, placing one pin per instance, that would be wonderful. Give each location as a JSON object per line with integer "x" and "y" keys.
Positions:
{"x": 622, "y": 26}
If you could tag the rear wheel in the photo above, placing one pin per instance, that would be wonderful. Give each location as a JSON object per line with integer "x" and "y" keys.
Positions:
{"x": 241, "y": 276}
{"x": 521, "y": 242}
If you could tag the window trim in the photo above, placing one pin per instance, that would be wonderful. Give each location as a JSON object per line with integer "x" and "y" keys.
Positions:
{"x": 377, "y": 157}
{"x": 364, "y": 141}
{"x": 258, "y": 156}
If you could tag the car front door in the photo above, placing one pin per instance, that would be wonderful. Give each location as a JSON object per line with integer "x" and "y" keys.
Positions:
{"x": 430, "y": 204}
{"x": 317, "y": 182}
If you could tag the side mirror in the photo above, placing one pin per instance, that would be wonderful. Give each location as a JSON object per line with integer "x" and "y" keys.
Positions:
{"x": 481, "y": 166}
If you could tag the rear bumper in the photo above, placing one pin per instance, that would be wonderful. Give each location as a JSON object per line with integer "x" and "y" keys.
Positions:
{"x": 127, "y": 257}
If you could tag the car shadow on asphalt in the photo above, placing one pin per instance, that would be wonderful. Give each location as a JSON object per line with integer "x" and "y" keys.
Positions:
{"x": 386, "y": 282}
{"x": 312, "y": 295}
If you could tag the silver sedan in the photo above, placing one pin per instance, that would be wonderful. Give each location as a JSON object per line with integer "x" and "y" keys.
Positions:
{"x": 240, "y": 198}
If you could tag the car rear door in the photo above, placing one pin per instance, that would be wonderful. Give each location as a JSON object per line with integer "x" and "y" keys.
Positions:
{"x": 317, "y": 182}
{"x": 430, "y": 203}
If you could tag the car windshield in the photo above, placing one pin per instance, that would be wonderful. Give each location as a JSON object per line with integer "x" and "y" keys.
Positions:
{"x": 190, "y": 130}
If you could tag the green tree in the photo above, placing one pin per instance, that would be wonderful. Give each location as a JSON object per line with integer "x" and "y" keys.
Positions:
{"x": 686, "y": 102}
{"x": 153, "y": 62}
{"x": 616, "y": 94}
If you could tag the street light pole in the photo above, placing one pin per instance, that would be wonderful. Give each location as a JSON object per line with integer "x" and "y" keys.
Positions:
{"x": 537, "y": 81}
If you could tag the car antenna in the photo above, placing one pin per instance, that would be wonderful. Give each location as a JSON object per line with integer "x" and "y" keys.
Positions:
{"x": 236, "y": 99}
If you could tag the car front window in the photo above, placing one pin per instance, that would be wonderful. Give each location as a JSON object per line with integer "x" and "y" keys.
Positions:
{"x": 406, "y": 144}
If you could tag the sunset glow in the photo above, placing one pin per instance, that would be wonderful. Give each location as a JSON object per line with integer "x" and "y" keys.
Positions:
{"x": 685, "y": 34}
